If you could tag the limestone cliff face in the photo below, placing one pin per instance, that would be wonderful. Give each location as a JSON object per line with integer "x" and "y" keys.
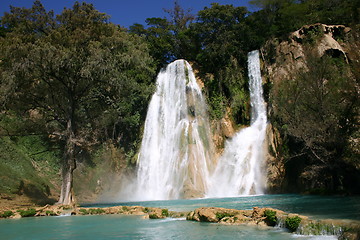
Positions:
{"x": 222, "y": 129}
{"x": 283, "y": 59}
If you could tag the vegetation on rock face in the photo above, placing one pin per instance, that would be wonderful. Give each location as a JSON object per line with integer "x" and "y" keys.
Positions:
{"x": 292, "y": 223}
{"x": 316, "y": 110}
{"x": 270, "y": 217}
{"x": 6, "y": 214}
{"x": 165, "y": 212}
{"x": 221, "y": 215}
{"x": 27, "y": 213}
{"x": 95, "y": 211}
{"x": 153, "y": 216}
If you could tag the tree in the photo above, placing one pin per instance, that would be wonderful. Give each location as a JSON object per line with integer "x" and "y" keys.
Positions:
{"x": 222, "y": 36}
{"x": 73, "y": 73}
{"x": 222, "y": 32}
{"x": 180, "y": 20}
{"x": 168, "y": 38}
{"x": 159, "y": 37}
{"x": 317, "y": 110}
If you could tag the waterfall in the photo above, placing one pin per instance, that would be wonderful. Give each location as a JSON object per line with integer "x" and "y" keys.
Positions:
{"x": 239, "y": 169}
{"x": 176, "y": 150}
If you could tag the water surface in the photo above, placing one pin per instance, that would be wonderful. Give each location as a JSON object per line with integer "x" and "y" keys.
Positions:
{"x": 132, "y": 227}
{"x": 318, "y": 207}
{"x": 135, "y": 227}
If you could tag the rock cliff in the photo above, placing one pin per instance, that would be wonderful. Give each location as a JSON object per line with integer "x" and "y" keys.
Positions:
{"x": 282, "y": 60}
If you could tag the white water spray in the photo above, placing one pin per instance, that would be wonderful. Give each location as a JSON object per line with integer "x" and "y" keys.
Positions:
{"x": 239, "y": 170}
{"x": 175, "y": 154}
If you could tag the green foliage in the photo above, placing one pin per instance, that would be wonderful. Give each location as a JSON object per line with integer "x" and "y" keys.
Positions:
{"x": 83, "y": 211}
{"x": 229, "y": 89}
{"x": 6, "y": 214}
{"x": 292, "y": 223}
{"x": 27, "y": 213}
{"x": 221, "y": 215}
{"x": 218, "y": 28}
{"x": 280, "y": 17}
{"x": 88, "y": 80}
{"x": 270, "y": 217}
{"x": 165, "y": 212}
{"x": 96, "y": 211}
{"x": 313, "y": 35}
{"x": 28, "y": 166}
{"x": 79, "y": 70}
{"x": 217, "y": 106}
{"x": 146, "y": 210}
{"x": 168, "y": 38}
{"x": 317, "y": 111}
{"x": 125, "y": 209}
{"x": 153, "y": 216}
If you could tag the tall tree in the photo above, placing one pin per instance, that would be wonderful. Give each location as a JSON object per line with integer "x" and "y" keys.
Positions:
{"x": 169, "y": 38}
{"x": 73, "y": 73}
{"x": 222, "y": 32}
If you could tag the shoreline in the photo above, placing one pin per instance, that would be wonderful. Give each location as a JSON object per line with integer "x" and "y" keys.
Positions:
{"x": 263, "y": 217}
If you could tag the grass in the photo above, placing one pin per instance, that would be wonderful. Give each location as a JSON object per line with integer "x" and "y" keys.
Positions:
{"x": 26, "y": 167}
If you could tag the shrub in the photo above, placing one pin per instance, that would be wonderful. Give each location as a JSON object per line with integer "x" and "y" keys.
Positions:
{"x": 153, "y": 216}
{"x": 83, "y": 211}
{"x": 95, "y": 211}
{"x": 271, "y": 218}
{"x": 146, "y": 210}
{"x": 6, "y": 214}
{"x": 27, "y": 213}
{"x": 221, "y": 215}
{"x": 165, "y": 212}
{"x": 292, "y": 223}
{"x": 125, "y": 209}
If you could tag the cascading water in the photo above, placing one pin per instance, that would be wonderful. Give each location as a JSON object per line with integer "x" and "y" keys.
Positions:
{"x": 239, "y": 169}
{"x": 175, "y": 154}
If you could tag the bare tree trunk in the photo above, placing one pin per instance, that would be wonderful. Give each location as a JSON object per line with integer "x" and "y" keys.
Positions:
{"x": 67, "y": 196}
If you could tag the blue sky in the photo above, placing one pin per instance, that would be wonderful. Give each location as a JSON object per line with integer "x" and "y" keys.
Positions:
{"x": 125, "y": 12}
